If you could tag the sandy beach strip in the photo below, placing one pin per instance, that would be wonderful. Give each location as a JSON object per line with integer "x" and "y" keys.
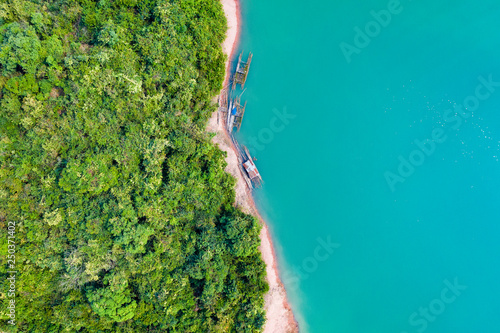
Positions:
{"x": 279, "y": 316}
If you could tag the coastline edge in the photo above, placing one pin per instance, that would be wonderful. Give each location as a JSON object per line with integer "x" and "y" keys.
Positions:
{"x": 279, "y": 315}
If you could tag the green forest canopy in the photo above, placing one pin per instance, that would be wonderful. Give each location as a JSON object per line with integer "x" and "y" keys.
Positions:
{"x": 124, "y": 214}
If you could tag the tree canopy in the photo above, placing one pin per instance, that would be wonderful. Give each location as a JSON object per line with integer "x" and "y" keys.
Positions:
{"x": 124, "y": 215}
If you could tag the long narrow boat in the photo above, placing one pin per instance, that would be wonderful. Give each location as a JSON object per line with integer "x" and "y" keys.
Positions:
{"x": 251, "y": 169}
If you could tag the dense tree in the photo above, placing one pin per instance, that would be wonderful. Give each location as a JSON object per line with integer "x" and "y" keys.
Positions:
{"x": 124, "y": 214}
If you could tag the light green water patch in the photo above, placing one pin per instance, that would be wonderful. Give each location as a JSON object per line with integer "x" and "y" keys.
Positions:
{"x": 326, "y": 131}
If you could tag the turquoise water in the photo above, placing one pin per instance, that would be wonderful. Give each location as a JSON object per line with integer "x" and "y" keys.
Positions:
{"x": 324, "y": 169}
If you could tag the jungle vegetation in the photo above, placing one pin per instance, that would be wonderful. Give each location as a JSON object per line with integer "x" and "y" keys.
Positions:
{"x": 125, "y": 218}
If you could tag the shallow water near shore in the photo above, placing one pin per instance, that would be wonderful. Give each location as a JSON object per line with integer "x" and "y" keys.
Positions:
{"x": 412, "y": 256}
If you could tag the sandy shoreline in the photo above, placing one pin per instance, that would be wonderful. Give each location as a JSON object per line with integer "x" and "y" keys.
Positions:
{"x": 279, "y": 316}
